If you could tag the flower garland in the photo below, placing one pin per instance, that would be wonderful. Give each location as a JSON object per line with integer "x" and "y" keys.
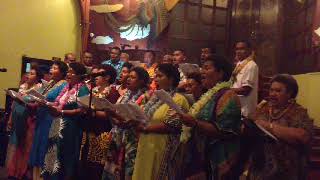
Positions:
{"x": 239, "y": 68}
{"x": 68, "y": 95}
{"x": 199, "y": 105}
{"x": 206, "y": 97}
{"x": 130, "y": 97}
{"x": 101, "y": 94}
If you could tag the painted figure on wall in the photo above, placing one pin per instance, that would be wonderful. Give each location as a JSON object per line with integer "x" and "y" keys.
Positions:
{"x": 128, "y": 21}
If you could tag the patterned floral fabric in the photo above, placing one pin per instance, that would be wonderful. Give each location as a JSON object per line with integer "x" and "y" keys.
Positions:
{"x": 281, "y": 160}
{"x": 43, "y": 123}
{"x": 92, "y": 146}
{"x": 64, "y": 136}
{"x": 123, "y": 146}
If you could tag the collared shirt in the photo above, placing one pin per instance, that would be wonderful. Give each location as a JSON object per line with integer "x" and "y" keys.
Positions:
{"x": 248, "y": 76}
{"x": 117, "y": 66}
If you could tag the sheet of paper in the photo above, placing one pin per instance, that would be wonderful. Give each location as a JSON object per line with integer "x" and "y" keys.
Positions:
{"x": 267, "y": 132}
{"x": 250, "y": 124}
{"x": 102, "y": 103}
{"x": 36, "y": 94}
{"x": 138, "y": 113}
{"x": 44, "y": 83}
{"x": 15, "y": 95}
{"x": 131, "y": 111}
{"x": 166, "y": 98}
{"x": 96, "y": 103}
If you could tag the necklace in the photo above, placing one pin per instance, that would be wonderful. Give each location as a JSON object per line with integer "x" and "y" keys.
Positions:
{"x": 272, "y": 116}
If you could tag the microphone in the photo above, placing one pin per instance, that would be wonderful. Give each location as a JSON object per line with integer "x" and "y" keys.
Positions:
{"x": 3, "y": 69}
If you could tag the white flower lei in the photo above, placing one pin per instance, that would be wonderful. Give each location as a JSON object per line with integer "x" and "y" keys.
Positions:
{"x": 197, "y": 107}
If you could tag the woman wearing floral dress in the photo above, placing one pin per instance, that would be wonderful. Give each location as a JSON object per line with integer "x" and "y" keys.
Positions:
{"x": 289, "y": 122}
{"x": 122, "y": 151}
{"x": 95, "y": 125}
{"x": 65, "y": 134}
{"x": 23, "y": 124}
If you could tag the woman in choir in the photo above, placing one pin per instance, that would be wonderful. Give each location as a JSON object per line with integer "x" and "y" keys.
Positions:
{"x": 159, "y": 139}
{"x": 22, "y": 124}
{"x": 289, "y": 122}
{"x": 122, "y": 151}
{"x": 215, "y": 120}
{"x": 65, "y": 135}
{"x": 122, "y": 87}
{"x": 94, "y": 126}
{"x": 194, "y": 85}
{"x": 167, "y": 59}
{"x": 44, "y": 119}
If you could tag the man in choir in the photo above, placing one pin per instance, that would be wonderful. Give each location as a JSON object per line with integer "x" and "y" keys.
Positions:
{"x": 205, "y": 53}
{"x": 88, "y": 61}
{"x": 70, "y": 58}
{"x": 167, "y": 59}
{"x": 125, "y": 57}
{"x": 245, "y": 78}
{"x": 149, "y": 62}
{"x": 114, "y": 60}
{"x": 179, "y": 57}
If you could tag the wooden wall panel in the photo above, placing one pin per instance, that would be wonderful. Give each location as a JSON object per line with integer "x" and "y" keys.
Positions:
{"x": 199, "y": 23}
{"x": 298, "y": 56}
{"x": 257, "y": 21}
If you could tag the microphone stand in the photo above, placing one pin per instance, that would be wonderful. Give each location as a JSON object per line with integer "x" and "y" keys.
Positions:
{"x": 91, "y": 92}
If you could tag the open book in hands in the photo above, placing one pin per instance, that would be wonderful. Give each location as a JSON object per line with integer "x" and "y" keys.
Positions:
{"x": 165, "y": 97}
{"x": 257, "y": 129}
{"x": 131, "y": 111}
{"x": 35, "y": 95}
{"x": 15, "y": 96}
{"x": 96, "y": 103}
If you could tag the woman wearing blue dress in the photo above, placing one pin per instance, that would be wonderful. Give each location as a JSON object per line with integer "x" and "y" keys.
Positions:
{"x": 44, "y": 119}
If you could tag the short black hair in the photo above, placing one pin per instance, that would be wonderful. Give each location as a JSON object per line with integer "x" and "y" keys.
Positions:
{"x": 142, "y": 75}
{"x": 221, "y": 64}
{"x": 181, "y": 50}
{"x": 117, "y": 48}
{"x": 211, "y": 48}
{"x": 195, "y": 76}
{"x": 290, "y": 83}
{"x": 78, "y": 68}
{"x": 248, "y": 44}
{"x": 109, "y": 71}
{"x": 39, "y": 72}
{"x": 171, "y": 72}
{"x": 63, "y": 67}
{"x": 127, "y": 65}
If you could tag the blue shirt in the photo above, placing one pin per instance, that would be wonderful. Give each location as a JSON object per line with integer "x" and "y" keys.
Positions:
{"x": 117, "y": 66}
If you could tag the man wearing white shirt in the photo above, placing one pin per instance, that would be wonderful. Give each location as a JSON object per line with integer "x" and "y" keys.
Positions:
{"x": 245, "y": 78}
